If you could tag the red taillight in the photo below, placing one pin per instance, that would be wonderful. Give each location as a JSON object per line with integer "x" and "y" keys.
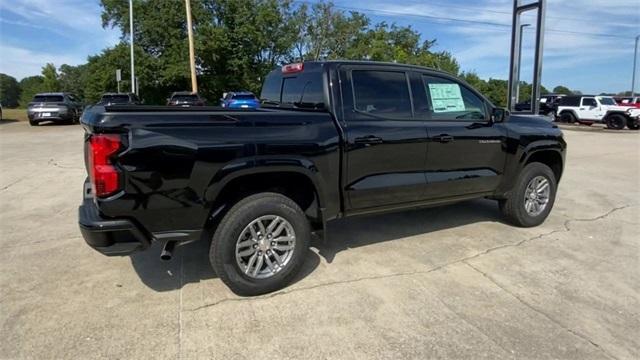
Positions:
{"x": 292, "y": 68}
{"x": 105, "y": 178}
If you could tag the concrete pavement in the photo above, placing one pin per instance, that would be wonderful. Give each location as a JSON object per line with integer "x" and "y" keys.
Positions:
{"x": 448, "y": 282}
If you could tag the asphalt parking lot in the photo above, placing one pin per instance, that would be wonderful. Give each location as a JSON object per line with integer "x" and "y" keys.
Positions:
{"x": 448, "y": 282}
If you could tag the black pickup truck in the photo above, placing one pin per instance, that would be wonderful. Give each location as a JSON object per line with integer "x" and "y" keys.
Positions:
{"x": 332, "y": 139}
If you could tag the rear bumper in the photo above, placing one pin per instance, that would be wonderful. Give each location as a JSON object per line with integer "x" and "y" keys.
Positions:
{"x": 111, "y": 237}
{"x": 54, "y": 116}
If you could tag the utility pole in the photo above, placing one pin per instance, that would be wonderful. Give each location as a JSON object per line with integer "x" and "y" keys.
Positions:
{"x": 133, "y": 71}
{"x": 520, "y": 60}
{"x": 192, "y": 56}
{"x": 635, "y": 68}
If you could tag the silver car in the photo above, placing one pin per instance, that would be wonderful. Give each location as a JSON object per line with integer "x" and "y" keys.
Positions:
{"x": 55, "y": 107}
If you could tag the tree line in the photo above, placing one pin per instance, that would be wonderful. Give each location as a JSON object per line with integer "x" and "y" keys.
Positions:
{"x": 237, "y": 43}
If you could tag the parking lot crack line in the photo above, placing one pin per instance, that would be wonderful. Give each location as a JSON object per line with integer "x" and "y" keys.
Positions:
{"x": 544, "y": 314}
{"x": 565, "y": 225}
{"x": 464, "y": 319}
{"x": 419, "y": 272}
{"x": 13, "y": 183}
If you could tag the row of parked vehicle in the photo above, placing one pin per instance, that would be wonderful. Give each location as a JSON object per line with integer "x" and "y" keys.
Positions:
{"x": 67, "y": 107}
{"x": 615, "y": 112}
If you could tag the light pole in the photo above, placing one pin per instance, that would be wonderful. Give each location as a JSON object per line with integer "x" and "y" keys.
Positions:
{"x": 192, "y": 57}
{"x": 635, "y": 68}
{"x": 520, "y": 62}
{"x": 133, "y": 71}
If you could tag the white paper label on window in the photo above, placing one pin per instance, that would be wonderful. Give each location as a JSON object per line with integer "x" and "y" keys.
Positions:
{"x": 446, "y": 98}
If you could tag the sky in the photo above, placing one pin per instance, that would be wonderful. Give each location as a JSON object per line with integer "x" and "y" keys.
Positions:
{"x": 589, "y": 44}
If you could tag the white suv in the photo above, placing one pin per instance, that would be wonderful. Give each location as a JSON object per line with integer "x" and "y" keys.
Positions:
{"x": 598, "y": 109}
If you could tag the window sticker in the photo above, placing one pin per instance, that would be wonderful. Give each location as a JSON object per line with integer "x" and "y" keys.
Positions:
{"x": 446, "y": 98}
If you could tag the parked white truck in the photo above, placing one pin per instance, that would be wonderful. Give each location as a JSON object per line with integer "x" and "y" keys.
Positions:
{"x": 587, "y": 109}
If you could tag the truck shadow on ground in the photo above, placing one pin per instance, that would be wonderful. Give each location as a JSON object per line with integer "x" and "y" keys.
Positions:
{"x": 190, "y": 263}
{"x": 360, "y": 231}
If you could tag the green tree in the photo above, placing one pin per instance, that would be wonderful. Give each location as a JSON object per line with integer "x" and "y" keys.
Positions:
{"x": 562, "y": 90}
{"x": 101, "y": 74}
{"x": 73, "y": 79}
{"x": 50, "y": 75}
{"x": 30, "y": 86}
{"x": 9, "y": 91}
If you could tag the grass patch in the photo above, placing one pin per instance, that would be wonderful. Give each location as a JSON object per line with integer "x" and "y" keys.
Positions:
{"x": 14, "y": 114}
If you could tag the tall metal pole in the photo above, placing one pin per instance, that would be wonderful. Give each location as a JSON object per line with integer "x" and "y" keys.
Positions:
{"x": 537, "y": 65}
{"x": 520, "y": 60}
{"x": 133, "y": 71}
{"x": 192, "y": 56}
{"x": 635, "y": 68}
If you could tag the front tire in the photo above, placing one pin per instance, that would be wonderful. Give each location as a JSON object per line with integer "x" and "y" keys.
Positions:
{"x": 633, "y": 125}
{"x": 567, "y": 117}
{"x": 260, "y": 244}
{"x": 33, "y": 123}
{"x": 616, "y": 122}
{"x": 532, "y": 198}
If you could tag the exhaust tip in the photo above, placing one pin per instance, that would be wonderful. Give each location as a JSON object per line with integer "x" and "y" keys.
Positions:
{"x": 167, "y": 251}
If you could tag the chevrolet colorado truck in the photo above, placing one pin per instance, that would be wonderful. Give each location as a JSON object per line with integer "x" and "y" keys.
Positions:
{"x": 331, "y": 140}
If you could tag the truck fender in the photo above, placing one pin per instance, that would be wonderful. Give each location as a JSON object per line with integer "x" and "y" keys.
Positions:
{"x": 263, "y": 165}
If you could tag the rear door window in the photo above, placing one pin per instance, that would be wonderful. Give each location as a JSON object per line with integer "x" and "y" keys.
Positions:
{"x": 383, "y": 94}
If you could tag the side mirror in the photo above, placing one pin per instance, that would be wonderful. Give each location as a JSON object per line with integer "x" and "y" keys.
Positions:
{"x": 499, "y": 115}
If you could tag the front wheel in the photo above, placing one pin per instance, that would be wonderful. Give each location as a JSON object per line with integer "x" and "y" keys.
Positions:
{"x": 616, "y": 122}
{"x": 260, "y": 244}
{"x": 633, "y": 125}
{"x": 567, "y": 117}
{"x": 532, "y": 198}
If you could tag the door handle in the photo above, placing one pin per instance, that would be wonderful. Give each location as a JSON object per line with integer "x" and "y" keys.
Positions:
{"x": 443, "y": 138}
{"x": 367, "y": 140}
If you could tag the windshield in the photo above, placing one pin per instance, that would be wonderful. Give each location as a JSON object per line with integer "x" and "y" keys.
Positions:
{"x": 244, "y": 97}
{"x": 115, "y": 99}
{"x": 48, "y": 98}
{"x": 607, "y": 101}
{"x": 185, "y": 98}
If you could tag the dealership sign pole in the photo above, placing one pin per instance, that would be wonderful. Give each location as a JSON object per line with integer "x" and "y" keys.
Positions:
{"x": 133, "y": 71}
{"x": 635, "y": 68}
{"x": 516, "y": 46}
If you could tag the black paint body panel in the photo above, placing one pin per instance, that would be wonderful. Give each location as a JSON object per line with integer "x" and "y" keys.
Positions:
{"x": 178, "y": 160}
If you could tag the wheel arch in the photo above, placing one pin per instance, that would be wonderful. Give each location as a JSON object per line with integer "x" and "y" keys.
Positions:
{"x": 551, "y": 157}
{"x": 297, "y": 179}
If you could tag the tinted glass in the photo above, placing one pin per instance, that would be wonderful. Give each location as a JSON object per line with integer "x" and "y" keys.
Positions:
{"x": 449, "y": 100}
{"x": 589, "y": 102}
{"x": 48, "y": 98}
{"x": 381, "y": 93}
{"x": 607, "y": 101}
{"x": 271, "y": 89}
{"x": 570, "y": 101}
{"x": 244, "y": 97}
{"x": 185, "y": 98}
{"x": 116, "y": 99}
{"x": 304, "y": 91}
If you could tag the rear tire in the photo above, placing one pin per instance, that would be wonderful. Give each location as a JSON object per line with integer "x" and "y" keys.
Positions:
{"x": 633, "y": 125}
{"x": 567, "y": 117}
{"x": 616, "y": 122}
{"x": 227, "y": 259}
{"x": 514, "y": 208}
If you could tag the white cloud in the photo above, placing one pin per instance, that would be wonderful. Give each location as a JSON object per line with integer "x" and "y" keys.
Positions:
{"x": 19, "y": 62}
{"x": 480, "y": 46}
{"x": 35, "y": 32}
